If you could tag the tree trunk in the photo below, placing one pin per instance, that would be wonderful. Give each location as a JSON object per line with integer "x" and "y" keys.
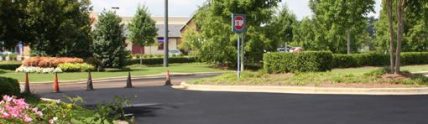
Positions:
{"x": 141, "y": 56}
{"x": 348, "y": 40}
{"x": 400, "y": 11}
{"x": 391, "y": 36}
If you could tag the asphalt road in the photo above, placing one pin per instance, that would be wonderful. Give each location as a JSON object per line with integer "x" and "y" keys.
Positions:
{"x": 171, "y": 106}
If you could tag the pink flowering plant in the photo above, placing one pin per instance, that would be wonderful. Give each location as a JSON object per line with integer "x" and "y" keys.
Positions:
{"x": 13, "y": 110}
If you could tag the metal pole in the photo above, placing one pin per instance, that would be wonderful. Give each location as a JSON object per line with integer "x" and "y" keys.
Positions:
{"x": 166, "y": 40}
{"x": 238, "y": 65}
{"x": 242, "y": 51}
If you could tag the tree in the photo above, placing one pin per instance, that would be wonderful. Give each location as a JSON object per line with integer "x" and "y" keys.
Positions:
{"x": 282, "y": 27}
{"x": 409, "y": 17}
{"x": 58, "y": 27}
{"x": 400, "y": 12}
{"x": 109, "y": 41}
{"x": 415, "y": 30}
{"x": 11, "y": 14}
{"x": 341, "y": 20}
{"x": 391, "y": 32}
{"x": 142, "y": 29}
{"x": 305, "y": 35}
{"x": 217, "y": 39}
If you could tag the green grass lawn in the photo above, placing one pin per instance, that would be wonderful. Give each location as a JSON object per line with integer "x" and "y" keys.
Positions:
{"x": 136, "y": 70}
{"x": 364, "y": 76}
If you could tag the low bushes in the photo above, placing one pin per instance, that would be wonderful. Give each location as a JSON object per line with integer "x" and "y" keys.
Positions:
{"x": 76, "y": 67}
{"x": 9, "y": 86}
{"x": 154, "y": 61}
{"x": 377, "y": 59}
{"x": 297, "y": 62}
{"x": 49, "y": 61}
{"x": 413, "y": 58}
{"x": 38, "y": 70}
{"x": 9, "y": 65}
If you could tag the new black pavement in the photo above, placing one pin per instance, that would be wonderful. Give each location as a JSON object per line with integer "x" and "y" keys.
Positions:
{"x": 173, "y": 106}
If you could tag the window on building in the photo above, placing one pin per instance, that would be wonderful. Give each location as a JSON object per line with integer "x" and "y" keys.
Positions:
{"x": 160, "y": 46}
{"x": 160, "y": 43}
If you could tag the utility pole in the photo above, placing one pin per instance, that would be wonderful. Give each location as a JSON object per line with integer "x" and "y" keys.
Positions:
{"x": 165, "y": 39}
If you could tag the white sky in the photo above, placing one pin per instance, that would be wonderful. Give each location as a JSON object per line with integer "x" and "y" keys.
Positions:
{"x": 186, "y": 8}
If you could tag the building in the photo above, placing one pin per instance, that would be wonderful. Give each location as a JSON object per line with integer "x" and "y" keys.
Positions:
{"x": 175, "y": 25}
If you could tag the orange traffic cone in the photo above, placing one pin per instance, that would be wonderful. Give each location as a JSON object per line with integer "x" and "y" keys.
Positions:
{"x": 168, "y": 79}
{"x": 27, "y": 84}
{"x": 89, "y": 84}
{"x": 56, "y": 84}
{"x": 129, "y": 81}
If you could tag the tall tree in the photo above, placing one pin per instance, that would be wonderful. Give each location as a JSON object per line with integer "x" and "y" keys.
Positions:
{"x": 415, "y": 30}
{"x": 213, "y": 21}
{"x": 109, "y": 41}
{"x": 58, "y": 27}
{"x": 11, "y": 14}
{"x": 142, "y": 29}
{"x": 400, "y": 12}
{"x": 305, "y": 35}
{"x": 388, "y": 4}
{"x": 340, "y": 20}
{"x": 282, "y": 27}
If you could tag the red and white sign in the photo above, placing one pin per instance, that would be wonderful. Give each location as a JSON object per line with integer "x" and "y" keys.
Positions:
{"x": 238, "y": 23}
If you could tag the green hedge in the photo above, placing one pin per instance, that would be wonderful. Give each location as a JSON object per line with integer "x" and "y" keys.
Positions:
{"x": 358, "y": 60}
{"x": 76, "y": 67}
{"x": 9, "y": 65}
{"x": 154, "y": 61}
{"x": 377, "y": 59}
{"x": 9, "y": 86}
{"x": 414, "y": 58}
{"x": 310, "y": 61}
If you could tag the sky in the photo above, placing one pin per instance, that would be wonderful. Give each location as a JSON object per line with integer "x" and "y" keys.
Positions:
{"x": 186, "y": 8}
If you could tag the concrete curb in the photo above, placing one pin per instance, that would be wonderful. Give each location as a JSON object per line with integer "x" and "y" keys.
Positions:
{"x": 306, "y": 90}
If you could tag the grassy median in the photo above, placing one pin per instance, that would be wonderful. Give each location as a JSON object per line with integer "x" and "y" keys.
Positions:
{"x": 349, "y": 77}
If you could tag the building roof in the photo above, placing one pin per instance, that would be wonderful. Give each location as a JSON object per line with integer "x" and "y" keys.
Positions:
{"x": 175, "y": 24}
{"x": 174, "y": 30}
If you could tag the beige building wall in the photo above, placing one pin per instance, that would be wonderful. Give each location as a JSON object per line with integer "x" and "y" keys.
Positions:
{"x": 153, "y": 50}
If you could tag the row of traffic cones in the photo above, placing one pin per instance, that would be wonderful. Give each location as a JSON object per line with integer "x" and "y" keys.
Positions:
{"x": 89, "y": 83}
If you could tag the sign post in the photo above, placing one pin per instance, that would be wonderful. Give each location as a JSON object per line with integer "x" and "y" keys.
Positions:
{"x": 239, "y": 27}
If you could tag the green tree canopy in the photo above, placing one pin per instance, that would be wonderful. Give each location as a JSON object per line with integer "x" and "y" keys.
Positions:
{"x": 340, "y": 21}
{"x": 218, "y": 42}
{"x": 282, "y": 27}
{"x": 142, "y": 29}
{"x": 11, "y": 14}
{"x": 109, "y": 41}
{"x": 58, "y": 27}
{"x": 415, "y": 31}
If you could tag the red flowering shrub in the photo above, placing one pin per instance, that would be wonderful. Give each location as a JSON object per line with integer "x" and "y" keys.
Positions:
{"x": 49, "y": 61}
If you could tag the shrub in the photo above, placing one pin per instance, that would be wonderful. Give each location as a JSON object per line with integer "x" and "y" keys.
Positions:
{"x": 412, "y": 58}
{"x": 76, "y": 67}
{"x": 154, "y": 61}
{"x": 297, "y": 62}
{"x": 15, "y": 110}
{"x": 38, "y": 70}
{"x": 49, "y": 61}
{"x": 9, "y": 86}
{"x": 9, "y": 65}
{"x": 377, "y": 59}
